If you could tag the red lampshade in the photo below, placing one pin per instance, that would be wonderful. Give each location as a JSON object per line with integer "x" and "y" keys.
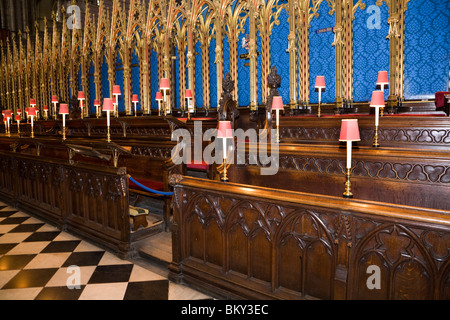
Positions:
{"x": 377, "y": 99}
{"x": 81, "y": 95}
{"x": 320, "y": 82}
{"x": 45, "y": 108}
{"x": 19, "y": 112}
{"x": 159, "y": 96}
{"x": 54, "y": 99}
{"x": 108, "y": 104}
{"x": 32, "y": 102}
{"x": 349, "y": 130}
{"x": 116, "y": 90}
{"x": 31, "y": 111}
{"x": 382, "y": 78}
{"x": 8, "y": 113}
{"x": 96, "y": 103}
{"x": 18, "y": 118}
{"x": 277, "y": 103}
{"x": 164, "y": 83}
{"x": 135, "y": 98}
{"x": 63, "y": 108}
{"x": 225, "y": 130}
{"x": 188, "y": 93}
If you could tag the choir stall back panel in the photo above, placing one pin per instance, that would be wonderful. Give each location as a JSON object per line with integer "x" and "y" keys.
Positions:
{"x": 240, "y": 241}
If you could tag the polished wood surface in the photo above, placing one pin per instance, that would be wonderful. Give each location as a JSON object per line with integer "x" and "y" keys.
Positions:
{"x": 242, "y": 241}
{"x": 87, "y": 199}
{"x": 410, "y": 177}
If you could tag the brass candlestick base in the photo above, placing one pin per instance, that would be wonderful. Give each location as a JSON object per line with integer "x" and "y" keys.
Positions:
{"x": 225, "y": 176}
{"x": 319, "y": 112}
{"x": 375, "y": 138}
{"x": 108, "y": 135}
{"x": 347, "y": 193}
{"x": 278, "y": 135}
{"x": 381, "y": 111}
{"x": 64, "y": 133}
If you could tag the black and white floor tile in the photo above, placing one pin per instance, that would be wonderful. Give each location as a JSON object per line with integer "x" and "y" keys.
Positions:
{"x": 40, "y": 262}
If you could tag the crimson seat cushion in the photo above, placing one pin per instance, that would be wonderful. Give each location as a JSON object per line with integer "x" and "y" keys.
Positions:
{"x": 154, "y": 185}
{"x": 200, "y": 166}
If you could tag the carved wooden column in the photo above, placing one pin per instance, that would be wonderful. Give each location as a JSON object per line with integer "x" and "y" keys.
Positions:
{"x": 292, "y": 37}
{"x": 253, "y": 6}
{"x": 219, "y": 13}
{"x": 339, "y": 47}
{"x": 101, "y": 46}
{"x": 396, "y": 38}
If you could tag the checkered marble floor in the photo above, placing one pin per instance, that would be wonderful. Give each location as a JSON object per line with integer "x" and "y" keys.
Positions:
{"x": 40, "y": 262}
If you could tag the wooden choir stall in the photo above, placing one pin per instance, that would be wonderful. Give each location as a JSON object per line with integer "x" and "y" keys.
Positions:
{"x": 280, "y": 197}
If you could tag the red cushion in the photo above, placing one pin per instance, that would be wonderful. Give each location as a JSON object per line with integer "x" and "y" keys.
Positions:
{"x": 200, "y": 166}
{"x": 154, "y": 185}
{"x": 440, "y": 98}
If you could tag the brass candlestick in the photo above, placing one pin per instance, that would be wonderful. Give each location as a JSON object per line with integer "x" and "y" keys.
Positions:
{"x": 225, "y": 176}
{"x": 347, "y": 193}
{"x": 375, "y": 138}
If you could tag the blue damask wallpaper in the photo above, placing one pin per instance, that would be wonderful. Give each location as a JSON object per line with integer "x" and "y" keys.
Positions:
{"x": 427, "y": 48}
{"x": 91, "y": 88}
{"x": 370, "y": 49}
{"x": 321, "y": 55}
{"x": 154, "y": 78}
{"x": 427, "y": 56}
{"x": 105, "y": 82}
{"x": 279, "y": 56}
{"x": 136, "y": 81}
{"x": 213, "y": 73}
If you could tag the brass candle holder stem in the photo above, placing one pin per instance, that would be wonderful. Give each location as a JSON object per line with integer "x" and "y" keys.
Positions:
{"x": 318, "y": 111}
{"x": 108, "y": 135}
{"x": 376, "y": 143}
{"x": 225, "y": 176}
{"x": 347, "y": 193}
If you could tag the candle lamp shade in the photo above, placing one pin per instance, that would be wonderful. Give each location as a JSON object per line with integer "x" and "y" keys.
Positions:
{"x": 188, "y": 93}
{"x": 81, "y": 95}
{"x": 135, "y": 98}
{"x": 277, "y": 103}
{"x": 19, "y": 112}
{"x": 116, "y": 90}
{"x": 377, "y": 99}
{"x": 8, "y": 113}
{"x": 164, "y": 84}
{"x": 64, "y": 108}
{"x": 108, "y": 104}
{"x": 31, "y": 112}
{"x": 45, "y": 108}
{"x": 158, "y": 96}
{"x": 224, "y": 130}
{"x": 54, "y": 99}
{"x": 18, "y": 118}
{"x": 32, "y": 102}
{"x": 96, "y": 103}
{"x": 320, "y": 82}
{"x": 349, "y": 130}
{"x": 382, "y": 78}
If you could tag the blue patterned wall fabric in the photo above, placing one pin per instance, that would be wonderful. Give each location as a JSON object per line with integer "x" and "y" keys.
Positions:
{"x": 198, "y": 76}
{"x": 105, "y": 82}
{"x": 135, "y": 80}
{"x": 119, "y": 82}
{"x": 244, "y": 71}
{"x": 154, "y": 78}
{"x": 259, "y": 69}
{"x": 427, "y": 48}
{"x": 213, "y": 73}
{"x": 322, "y": 55}
{"x": 278, "y": 55}
{"x": 92, "y": 91}
{"x": 370, "y": 49}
